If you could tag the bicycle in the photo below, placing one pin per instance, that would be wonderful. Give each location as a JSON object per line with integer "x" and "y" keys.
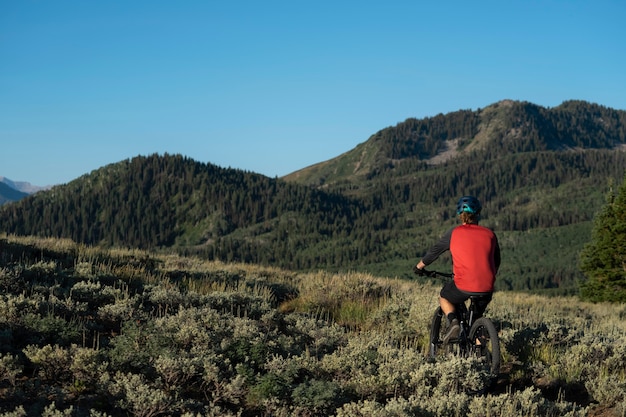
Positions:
{"x": 478, "y": 336}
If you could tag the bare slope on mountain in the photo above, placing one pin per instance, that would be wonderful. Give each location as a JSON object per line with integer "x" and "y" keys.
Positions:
{"x": 506, "y": 127}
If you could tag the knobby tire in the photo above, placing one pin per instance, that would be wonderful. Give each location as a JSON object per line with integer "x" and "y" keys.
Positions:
{"x": 484, "y": 330}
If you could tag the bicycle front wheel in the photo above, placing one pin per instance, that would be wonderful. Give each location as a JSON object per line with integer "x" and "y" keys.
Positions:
{"x": 483, "y": 340}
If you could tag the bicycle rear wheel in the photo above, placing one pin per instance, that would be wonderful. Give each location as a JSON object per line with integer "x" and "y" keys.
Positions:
{"x": 483, "y": 339}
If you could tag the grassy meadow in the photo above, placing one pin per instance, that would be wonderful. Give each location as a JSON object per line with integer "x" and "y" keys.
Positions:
{"x": 86, "y": 331}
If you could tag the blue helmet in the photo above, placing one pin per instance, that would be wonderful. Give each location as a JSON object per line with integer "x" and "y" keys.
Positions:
{"x": 468, "y": 204}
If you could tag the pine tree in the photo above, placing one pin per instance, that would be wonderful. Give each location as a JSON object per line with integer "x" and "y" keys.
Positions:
{"x": 603, "y": 260}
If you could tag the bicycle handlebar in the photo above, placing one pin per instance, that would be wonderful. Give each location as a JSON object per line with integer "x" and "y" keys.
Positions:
{"x": 431, "y": 274}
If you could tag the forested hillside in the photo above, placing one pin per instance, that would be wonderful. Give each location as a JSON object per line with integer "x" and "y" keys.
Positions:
{"x": 164, "y": 201}
{"x": 504, "y": 128}
{"x": 542, "y": 175}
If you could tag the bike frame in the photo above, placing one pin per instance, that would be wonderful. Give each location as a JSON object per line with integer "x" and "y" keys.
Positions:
{"x": 478, "y": 335}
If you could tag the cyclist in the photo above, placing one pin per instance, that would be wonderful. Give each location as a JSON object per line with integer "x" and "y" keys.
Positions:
{"x": 475, "y": 261}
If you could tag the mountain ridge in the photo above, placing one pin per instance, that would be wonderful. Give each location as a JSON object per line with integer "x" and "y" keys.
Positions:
{"x": 375, "y": 208}
{"x": 479, "y": 130}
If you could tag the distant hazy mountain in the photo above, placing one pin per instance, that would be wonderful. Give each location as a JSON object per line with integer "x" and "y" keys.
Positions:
{"x": 16, "y": 190}
{"x": 25, "y": 187}
{"x": 8, "y": 194}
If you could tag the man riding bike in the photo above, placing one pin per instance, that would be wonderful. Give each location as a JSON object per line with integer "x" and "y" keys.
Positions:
{"x": 475, "y": 261}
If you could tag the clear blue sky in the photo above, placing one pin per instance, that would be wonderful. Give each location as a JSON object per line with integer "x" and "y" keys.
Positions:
{"x": 275, "y": 86}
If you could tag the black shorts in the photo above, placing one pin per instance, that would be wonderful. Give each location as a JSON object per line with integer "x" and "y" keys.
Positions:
{"x": 451, "y": 293}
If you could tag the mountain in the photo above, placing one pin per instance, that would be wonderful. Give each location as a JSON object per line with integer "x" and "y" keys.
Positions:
{"x": 542, "y": 174}
{"x": 172, "y": 201}
{"x": 8, "y": 194}
{"x": 504, "y": 128}
{"x": 25, "y": 187}
{"x": 16, "y": 190}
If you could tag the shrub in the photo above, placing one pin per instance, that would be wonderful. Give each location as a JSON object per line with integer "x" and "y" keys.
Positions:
{"x": 51, "y": 411}
{"x": 122, "y": 310}
{"x": 268, "y": 387}
{"x": 13, "y": 308}
{"x": 86, "y": 367}
{"x": 137, "y": 347}
{"x": 317, "y": 396}
{"x": 176, "y": 371}
{"x": 527, "y": 402}
{"x": 347, "y": 344}
{"x": 51, "y": 328}
{"x": 17, "y": 412}
{"x": 133, "y": 393}
{"x": 396, "y": 407}
{"x": 319, "y": 337}
{"x": 52, "y": 363}
{"x": 10, "y": 368}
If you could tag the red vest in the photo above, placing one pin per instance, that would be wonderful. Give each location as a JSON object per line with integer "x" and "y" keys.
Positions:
{"x": 473, "y": 248}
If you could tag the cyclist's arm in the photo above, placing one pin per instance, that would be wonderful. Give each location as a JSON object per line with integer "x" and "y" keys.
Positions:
{"x": 437, "y": 249}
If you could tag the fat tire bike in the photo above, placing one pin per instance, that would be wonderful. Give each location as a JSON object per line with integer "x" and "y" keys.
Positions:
{"x": 477, "y": 338}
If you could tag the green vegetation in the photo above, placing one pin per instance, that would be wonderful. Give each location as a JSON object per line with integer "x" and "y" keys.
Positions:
{"x": 87, "y": 331}
{"x": 604, "y": 258}
{"x": 541, "y": 174}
